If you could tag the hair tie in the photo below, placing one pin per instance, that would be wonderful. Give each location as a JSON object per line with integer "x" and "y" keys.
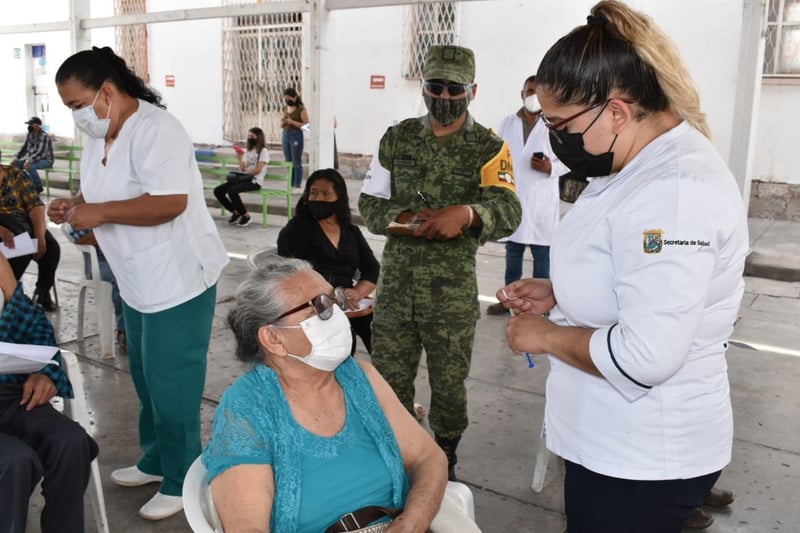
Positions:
{"x": 599, "y": 20}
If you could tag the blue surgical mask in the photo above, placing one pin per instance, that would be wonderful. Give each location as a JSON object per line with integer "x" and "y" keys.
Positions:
{"x": 88, "y": 122}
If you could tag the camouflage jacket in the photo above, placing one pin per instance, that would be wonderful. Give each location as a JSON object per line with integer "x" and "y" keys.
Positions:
{"x": 435, "y": 281}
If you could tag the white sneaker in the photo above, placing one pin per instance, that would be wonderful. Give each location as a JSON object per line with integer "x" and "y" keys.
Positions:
{"x": 133, "y": 477}
{"x": 297, "y": 190}
{"x": 161, "y": 506}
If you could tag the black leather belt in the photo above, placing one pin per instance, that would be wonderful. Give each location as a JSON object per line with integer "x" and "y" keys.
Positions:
{"x": 361, "y": 518}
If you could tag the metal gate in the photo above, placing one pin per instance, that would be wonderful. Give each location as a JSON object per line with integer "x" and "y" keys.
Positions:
{"x": 261, "y": 56}
{"x": 131, "y": 41}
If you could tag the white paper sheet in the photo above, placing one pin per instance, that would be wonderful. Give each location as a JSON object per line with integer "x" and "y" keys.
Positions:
{"x": 23, "y": 245}
{"x": 363, "y": 304}
{"x": 25, "y": 358}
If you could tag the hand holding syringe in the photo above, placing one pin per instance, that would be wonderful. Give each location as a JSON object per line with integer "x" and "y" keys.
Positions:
{"x": 531, "y": 364}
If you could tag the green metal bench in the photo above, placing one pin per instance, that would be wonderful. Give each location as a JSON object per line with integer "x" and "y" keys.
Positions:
{"x": 277, "y": 181}
{"x": 276, "y": 185}
{"x": 66, "y": 160}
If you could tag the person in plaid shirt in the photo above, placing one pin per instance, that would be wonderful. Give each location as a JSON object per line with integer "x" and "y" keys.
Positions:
{"x": 36, "y": 153}
{"x": 35, "y": 439}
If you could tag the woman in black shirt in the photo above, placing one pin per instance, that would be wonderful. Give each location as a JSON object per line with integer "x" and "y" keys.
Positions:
{"x": 322, "y": 233}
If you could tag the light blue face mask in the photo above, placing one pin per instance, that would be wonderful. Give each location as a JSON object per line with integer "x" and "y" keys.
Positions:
{"x": 88, "y": 122}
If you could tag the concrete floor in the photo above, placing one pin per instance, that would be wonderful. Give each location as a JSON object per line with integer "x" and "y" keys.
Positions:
{"x": 506, "y": 403}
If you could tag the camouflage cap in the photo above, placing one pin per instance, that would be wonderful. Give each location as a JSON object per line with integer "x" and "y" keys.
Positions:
{"x": 447, "y": 62}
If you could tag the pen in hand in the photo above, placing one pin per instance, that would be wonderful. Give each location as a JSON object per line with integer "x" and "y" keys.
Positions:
{"x": 425, "y": 200}
{"x": 528, "y": 356}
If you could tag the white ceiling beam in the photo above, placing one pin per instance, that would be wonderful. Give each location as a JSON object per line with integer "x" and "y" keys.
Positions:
{"x": 36, "y": 27}
{"x": 155, "y": 17}
{"x": 356, "y": 4}
{"x": 198, "y": 14}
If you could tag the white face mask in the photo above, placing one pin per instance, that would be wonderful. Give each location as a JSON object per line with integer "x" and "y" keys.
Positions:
{"x": 330, "y": 339}
{"x": 87, "y": 121}
{"x": 532, "y": 104}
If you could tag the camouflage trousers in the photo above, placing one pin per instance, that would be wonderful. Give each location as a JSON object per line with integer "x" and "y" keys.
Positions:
{"x": 396, "y": 352}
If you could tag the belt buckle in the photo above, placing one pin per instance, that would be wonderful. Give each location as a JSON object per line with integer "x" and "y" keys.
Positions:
{"x": 349, "y": 522}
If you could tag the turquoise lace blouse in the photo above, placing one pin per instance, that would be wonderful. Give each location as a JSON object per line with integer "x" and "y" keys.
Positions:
{"x": 317, "y": 479}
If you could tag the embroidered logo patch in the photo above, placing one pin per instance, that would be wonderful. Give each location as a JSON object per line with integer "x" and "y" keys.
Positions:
{"x": 653, "y": 241}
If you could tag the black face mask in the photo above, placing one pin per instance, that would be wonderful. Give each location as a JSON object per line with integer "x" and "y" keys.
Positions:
{"x": 322, "y": 210}
{"x": 446, "y": 111}
{"x": 251, "y": 143}
{"x": 568, "y": 148}
{"x": 30, "y": 129}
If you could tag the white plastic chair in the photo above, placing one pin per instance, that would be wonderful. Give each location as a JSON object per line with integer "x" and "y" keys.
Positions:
{"x": 76, "y": 409}
{"x": 542, "y": 462}
{"x": 104, "y": 307}
{"x": 198, "y": 506}
{"x": 457, "y": 514}
{"x": 254, "y": 257}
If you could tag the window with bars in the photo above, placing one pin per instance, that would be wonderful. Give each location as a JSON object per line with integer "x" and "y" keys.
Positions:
{"x": 426, "y": 24}
{"x": 131, "y": 40}
{"x": 261, "y": 56}
{"x": 782, "y": 50}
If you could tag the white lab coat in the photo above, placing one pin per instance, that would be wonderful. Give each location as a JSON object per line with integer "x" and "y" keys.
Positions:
{"x": 651, "y": 257}
{"x": 537, "y": 191}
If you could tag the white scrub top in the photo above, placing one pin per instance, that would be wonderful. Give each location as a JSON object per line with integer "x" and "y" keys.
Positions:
{"x": 653, "y": 257}
{"x": 156, "y": 267}
{"x": 537, "y": 191}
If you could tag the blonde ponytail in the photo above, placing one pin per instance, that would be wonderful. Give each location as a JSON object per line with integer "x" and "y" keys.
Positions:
{"x": 657, "y": 50}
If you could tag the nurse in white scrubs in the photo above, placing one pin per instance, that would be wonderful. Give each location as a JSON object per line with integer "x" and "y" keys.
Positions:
{"x": 142, "y": 194}
{"x": 646, "y": 273}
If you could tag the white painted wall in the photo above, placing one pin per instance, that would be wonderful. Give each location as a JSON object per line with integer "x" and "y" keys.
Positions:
{"x": 509, "y": 39}
{"x": 192, "y": 52}
{"x": 13, "y": 89}
{"x": 777, "y": 157}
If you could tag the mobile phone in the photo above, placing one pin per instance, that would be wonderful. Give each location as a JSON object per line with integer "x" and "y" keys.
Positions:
{"x": 538, "y": 155}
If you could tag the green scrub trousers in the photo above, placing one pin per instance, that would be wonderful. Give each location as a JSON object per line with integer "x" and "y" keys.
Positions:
{"x": 167, "y": 352}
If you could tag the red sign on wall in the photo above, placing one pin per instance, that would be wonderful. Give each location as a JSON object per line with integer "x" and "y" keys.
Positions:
{"x": 169, "y": 80}
{"x": 376, "y": 81}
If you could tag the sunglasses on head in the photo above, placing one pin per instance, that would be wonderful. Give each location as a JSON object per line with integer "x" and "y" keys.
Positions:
{"x": 437, "y": 88}
{"x": 322, "y": 304}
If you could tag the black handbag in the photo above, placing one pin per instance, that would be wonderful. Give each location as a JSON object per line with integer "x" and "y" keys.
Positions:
{"x": 236, "y": 177}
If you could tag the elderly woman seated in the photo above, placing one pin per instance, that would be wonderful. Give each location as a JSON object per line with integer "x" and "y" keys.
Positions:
{"x": 309, "y": 435}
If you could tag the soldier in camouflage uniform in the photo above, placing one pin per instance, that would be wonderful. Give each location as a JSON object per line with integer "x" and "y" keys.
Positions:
{"x": 451, "y": 180}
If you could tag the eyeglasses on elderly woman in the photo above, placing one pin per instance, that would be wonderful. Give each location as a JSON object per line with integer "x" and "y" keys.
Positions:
{"x": 322, "y": 305}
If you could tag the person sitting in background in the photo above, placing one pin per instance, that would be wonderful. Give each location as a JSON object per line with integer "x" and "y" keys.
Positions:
{"x": 252, "y": 169}
{"x": 86, "y": 236}
{"x": 35, "y": 439}
{"x": 19, "y": 200}
{"x": 322, "y": 233}
{"x": 36, "y": 153}
{"x": 309, "y": 434}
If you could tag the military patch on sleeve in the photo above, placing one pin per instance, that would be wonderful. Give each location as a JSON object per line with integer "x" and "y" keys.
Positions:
{"x": 499, "y": 170}
{"x": 653, "y": 241}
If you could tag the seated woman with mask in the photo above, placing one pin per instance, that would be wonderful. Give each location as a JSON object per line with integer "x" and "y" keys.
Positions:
{"x": 323, "y": 233}
{"x": 309, "y": 434}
